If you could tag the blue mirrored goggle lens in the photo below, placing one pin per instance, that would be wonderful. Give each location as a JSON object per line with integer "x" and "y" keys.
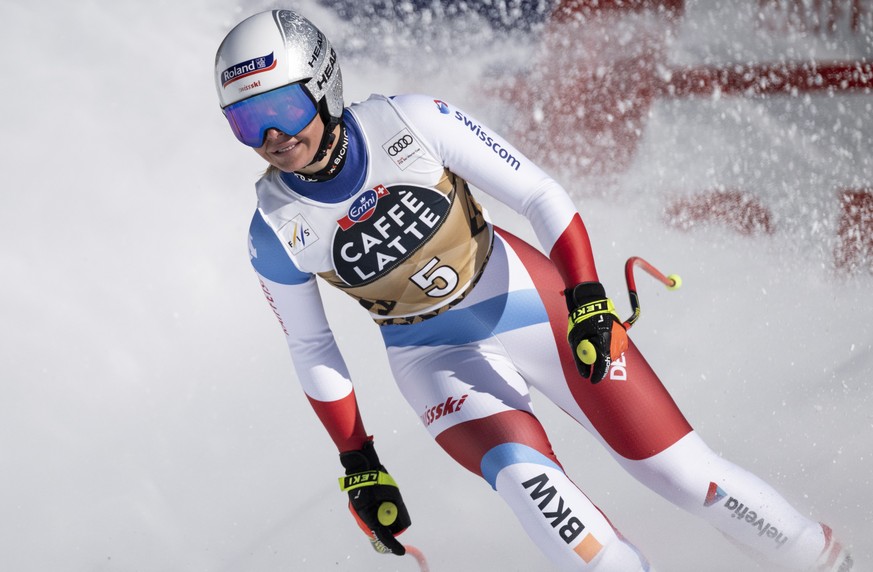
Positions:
{"x": 288, "y": 109}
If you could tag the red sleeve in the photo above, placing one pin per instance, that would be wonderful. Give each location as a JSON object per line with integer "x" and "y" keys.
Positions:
{"x": 342, "y": 419}
{"x": 572, "y": 254}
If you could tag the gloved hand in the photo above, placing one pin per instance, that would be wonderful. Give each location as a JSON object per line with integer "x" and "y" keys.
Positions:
{"x": 595, "y": 332}
{"x": 374, "y": 499}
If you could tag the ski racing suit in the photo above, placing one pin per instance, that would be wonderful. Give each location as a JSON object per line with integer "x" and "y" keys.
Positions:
{"x": 472, "y": 317}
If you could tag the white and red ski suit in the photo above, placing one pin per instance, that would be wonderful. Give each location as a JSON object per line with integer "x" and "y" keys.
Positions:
{"x": 472, "y": 317}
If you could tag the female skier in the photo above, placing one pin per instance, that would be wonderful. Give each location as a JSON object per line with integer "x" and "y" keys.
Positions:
{"x": 375, "y": 199}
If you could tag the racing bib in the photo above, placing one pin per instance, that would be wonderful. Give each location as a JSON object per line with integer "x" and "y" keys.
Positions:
{"x": 406, "y": 251}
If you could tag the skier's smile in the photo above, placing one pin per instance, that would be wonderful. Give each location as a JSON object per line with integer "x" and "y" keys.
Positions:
{"x": 291, "y": 153}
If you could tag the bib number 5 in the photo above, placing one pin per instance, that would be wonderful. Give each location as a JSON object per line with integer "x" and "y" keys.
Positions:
{"x": 435, "y": 280}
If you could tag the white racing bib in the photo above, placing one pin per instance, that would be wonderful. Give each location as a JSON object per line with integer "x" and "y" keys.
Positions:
{"x": 407, "y": 243}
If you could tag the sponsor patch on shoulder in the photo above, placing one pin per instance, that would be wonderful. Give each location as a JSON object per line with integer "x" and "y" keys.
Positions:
{"x": 403, "y": 149}
{"x": 301, "y": 234}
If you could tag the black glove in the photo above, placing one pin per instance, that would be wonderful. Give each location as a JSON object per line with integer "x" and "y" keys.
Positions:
{"x": 595, "y": 332}
{"x": 374, "y": 499}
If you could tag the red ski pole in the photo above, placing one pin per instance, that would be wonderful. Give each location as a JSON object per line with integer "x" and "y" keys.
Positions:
{"x": 419, "y": 557}
{"x": 417, "y": 554}
{"x": 672, "y": 282}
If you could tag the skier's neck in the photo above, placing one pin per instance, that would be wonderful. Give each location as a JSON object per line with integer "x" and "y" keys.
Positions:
{"x": 333, "y": 162}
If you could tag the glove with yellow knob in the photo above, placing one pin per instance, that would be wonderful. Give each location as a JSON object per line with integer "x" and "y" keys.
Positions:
{"x": 374, "y": 499}
{"x": 595, "y": 332}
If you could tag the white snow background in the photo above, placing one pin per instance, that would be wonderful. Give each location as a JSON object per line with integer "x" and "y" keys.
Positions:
{"x": 149, "y": 416}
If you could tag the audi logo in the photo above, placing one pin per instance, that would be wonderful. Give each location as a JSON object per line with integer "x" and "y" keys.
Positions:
{"x": 400, "y": 145}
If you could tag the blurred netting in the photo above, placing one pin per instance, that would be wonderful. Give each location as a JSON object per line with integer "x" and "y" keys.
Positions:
{"x": 502, "y": 15}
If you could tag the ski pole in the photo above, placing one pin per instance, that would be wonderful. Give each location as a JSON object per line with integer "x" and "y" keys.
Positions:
{"x": 419, "y": 557}
{"x": 417, "y": 554}
{"x": 672, "y": 282}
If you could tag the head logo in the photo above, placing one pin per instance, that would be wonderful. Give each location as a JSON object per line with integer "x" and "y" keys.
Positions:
{"x": 363, "y": 207}
{"x": 714, "y": 495}
{"x": 247, "y": 68}
{"x": 442, "y": 106}
{"x": 327, "y": 70}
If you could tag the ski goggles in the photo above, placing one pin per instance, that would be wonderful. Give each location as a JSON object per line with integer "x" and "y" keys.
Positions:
{"x": 288, "y": 109}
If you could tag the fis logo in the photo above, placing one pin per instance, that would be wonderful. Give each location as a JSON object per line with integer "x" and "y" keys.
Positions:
{"x": 302, "y": 234}
{"x": 450, "y": 406}
{"x": 741, "y": 512}
{"x": 247, "y": 68}
{"x": 363, "y": 207}
{"x": 442, "y": 106}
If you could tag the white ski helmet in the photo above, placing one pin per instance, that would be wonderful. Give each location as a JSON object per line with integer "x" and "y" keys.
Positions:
{"x": 277, "y": 48}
